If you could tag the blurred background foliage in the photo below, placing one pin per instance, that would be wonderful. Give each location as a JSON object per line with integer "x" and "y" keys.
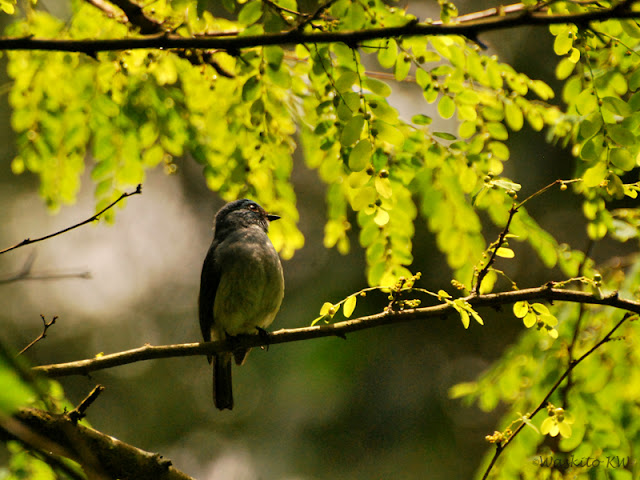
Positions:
{"x": 412, "y": 149}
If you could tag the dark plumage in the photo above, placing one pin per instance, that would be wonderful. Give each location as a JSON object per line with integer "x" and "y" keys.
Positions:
{"x": 241, "y": 286}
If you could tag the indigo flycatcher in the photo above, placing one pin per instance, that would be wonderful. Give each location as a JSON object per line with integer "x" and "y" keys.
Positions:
{"x": 241, "y": 286}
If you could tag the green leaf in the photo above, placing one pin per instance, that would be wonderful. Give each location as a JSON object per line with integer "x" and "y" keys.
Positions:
{"x": 540, "y": 308}
{"x": 274, "y": 56}
{"x": 595, "y": 175}
{"x": 250, "y": 89}
{"x": 622, "y": 158}
{"x": 328, "y": 309}
{"x": 446, "y": 107}
{"x": 7, "y": 7}
{"x": 15, "y": 392}
{"x": 387, "y": 55}
{"x": 505, "y": 252}
{"x": 250, "y": 13}
{"x": 513, "y": 115}
{"x": 383, "y": 187}
{"x": 497, "y": 130}
{"x": 634, "y": 81}
{"x": 563, "y": 42}
{"x": 530, "y": 319}
{"x": 421, "y": 119}
{"x": 349, "y": 306}
{"x": 403, "y": 65}
{"x": 346, "y": 81}
{"x": 464, "y": 317}
{"x": 387, "y": 133}
{"x": 520, "y": 309}
{"x": 376, "y": 86}
{"x": 360, "y": 155}
{"x": 621, "y": 135}
{"x": 617, "y": 106}
{"x": 464, "y": 389}
{"x": 352, "y": 130}
{"x": 381, "y": 217}
{"x": 499, "y": 149}
{"x": 445, "y": 135}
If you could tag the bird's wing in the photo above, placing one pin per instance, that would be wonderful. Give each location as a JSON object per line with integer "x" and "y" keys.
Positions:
{"x": 209, "y": 281}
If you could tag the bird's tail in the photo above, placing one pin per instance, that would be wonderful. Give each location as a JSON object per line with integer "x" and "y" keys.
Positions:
{"x": 222, "y": 387}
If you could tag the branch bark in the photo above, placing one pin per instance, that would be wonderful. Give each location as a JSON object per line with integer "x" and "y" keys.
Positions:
{"x": 471, "y": 26}
{"x": 339, "y": 329}
{"x": 95, "y": 451}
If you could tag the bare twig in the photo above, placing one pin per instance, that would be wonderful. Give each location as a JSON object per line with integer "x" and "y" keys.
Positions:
{"x": 573, "y": 364}
{"x": 80, "y": 411}
{"x": 45, "y": 327}
{"x": 468, "y": 29}
{"x": 28, "y": 241}
{"x": 339, "y": 329}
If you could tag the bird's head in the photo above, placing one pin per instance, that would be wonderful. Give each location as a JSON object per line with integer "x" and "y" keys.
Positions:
{"x": 242, "y": 214}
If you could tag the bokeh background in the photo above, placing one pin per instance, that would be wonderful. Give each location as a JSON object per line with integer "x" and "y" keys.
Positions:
{"x": 372, "y": 406}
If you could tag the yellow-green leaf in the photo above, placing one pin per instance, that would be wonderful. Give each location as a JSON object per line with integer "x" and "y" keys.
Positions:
{"x": 446, "y": 107}
{"x": 360, "y": 155}
{"x": 505, "y": 252}
{"x": 520, "y": 309}
{"x": 349, "y": 306}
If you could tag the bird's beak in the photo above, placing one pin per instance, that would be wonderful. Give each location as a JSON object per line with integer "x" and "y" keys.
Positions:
{"x": 271, "y": 217}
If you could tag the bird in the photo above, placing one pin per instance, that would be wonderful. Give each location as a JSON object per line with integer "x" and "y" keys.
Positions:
{"x": 241, "y": 286}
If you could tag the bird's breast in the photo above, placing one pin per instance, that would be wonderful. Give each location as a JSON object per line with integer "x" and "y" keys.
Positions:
{"x": 251, "y": 284}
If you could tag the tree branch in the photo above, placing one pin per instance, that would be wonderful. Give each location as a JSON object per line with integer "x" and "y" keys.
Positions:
{"x": 339, "y": 329}
{"x": 28, "y": 241}
{"x": 43, "y": 334}
{"x": 95, "y": 451}
{"x": 572, "y": 364}
{"x": 470, "y": 27}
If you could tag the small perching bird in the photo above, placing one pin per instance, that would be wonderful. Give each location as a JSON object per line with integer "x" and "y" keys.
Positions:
{"x": 241, "y": 286}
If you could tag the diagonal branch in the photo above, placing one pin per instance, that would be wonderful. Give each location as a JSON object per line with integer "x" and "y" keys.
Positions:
{"x": 43, "y": 334}
{"x": 28, "y": 241}
{"x": 339, "y": 329}
{"x": 469, "y": 27}
{"x": 110, "y": 457}
{"x": 573, "y": 364}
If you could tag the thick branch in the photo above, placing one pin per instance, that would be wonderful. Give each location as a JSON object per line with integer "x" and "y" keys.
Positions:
{"x": 471, "y": 26}
{"x": 94, "y": 450}
{"x": 339, "y": 329}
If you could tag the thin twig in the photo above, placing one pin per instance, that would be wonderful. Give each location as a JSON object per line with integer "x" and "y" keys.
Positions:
{"x": 576, "y": 330}
{"x": 503, "y": 234}
{"x": 494, "y": 253}
{"x": 80, "y": 411}
{"x": 28, "y": 241}
{"x": 339, "y": 329}
{"x": 45, "y": 327}
{"x": 500, "y": 447}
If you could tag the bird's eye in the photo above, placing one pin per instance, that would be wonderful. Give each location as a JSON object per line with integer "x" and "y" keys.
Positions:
{"x": 253, "y": 206}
